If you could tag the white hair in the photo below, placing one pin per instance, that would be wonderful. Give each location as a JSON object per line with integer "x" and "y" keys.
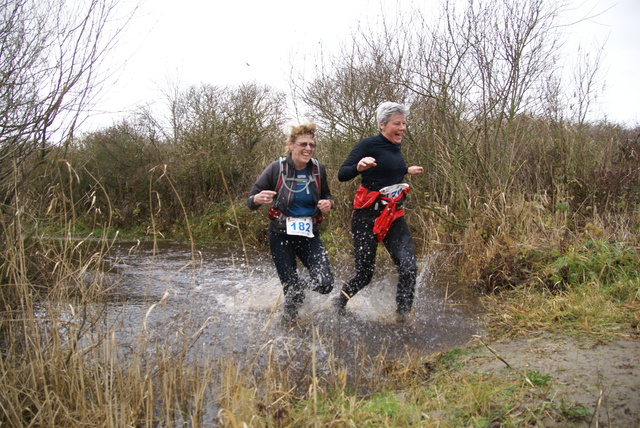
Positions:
{"x": 388, "y": 109}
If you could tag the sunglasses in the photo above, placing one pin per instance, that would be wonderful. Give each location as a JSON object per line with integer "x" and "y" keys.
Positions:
{"x": 311, "y": 145}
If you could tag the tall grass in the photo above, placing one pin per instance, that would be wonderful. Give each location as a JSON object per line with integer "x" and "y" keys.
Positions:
{"x": 546, "y": 260}
{"x": 63, "y": 365}
{"x": 62, "y": 361}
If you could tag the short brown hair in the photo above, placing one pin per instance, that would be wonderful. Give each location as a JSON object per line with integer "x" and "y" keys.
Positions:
{"x": 305, "y": 128}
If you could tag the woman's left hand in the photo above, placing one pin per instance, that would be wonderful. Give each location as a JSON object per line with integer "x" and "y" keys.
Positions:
{"x": 324, "y": 205}
{"x": 414, "y": 170}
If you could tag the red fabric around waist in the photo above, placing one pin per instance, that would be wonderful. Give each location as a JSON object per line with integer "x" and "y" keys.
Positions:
{"x": 365, "y": 198}
{"x": 383, "y": 223}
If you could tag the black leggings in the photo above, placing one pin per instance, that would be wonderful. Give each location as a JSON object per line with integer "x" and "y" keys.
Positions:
{"x": 398, "y": 243}
{"x": 284, "y": 250}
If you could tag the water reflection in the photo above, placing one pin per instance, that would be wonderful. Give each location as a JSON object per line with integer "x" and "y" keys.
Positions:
{"x": 225, "y": 302}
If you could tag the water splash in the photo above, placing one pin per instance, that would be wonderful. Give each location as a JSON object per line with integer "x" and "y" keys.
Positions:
{"x": 245, "y": 303}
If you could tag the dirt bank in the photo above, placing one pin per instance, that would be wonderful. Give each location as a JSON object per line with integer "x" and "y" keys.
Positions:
{"x": 598, "y": 381}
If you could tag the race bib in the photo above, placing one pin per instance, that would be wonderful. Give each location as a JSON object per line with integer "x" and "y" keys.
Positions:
{"x": 301, "y": 226}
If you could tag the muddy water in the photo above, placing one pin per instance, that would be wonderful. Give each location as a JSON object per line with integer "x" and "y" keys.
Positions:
{"x": 220, "y": 300}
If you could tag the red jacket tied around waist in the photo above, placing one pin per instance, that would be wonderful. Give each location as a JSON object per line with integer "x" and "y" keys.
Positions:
{"x": 365, "y": 198}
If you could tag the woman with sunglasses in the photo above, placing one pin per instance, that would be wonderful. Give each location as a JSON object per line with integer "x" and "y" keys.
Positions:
{"x": 296, "y": 188}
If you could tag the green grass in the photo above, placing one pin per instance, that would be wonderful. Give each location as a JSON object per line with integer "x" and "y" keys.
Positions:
{"x": 590, "y": 287}
{"x": 441, "y": 390}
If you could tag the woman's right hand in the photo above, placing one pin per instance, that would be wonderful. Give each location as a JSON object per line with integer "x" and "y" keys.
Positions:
{"x": 366, "y": 163}
{"x": 264, "y": 197}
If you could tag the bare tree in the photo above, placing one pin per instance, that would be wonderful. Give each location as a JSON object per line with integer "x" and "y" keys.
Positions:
{"x": 484, "y": 82}
{"x": 50, "y": 53}
{"x": 216, "y": 129}
{"x": 586, "y": 76}
{"x": 343, "y": 95}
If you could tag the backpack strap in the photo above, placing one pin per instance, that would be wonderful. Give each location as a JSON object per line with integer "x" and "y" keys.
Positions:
{"x": 283, "y": 172}
{"x": 274, "y": 214}
{"x": 315, "y": 172}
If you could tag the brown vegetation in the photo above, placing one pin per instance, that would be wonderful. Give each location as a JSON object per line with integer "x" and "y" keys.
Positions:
{"x": 519, "y": 191}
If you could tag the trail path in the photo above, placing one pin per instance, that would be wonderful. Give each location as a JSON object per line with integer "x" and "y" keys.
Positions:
{"x": 602, "y": 377}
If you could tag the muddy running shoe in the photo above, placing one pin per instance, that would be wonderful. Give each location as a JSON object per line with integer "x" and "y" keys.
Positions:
{"x": 340, "y": 304}
{"x": 289, "y": 317}
{"x": 322, "y": 288}
{"x": 290, "y": 311}
{"x": 402, "y": 317}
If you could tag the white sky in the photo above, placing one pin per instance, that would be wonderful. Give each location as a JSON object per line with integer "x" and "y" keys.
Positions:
{"x": 231, "y": 42}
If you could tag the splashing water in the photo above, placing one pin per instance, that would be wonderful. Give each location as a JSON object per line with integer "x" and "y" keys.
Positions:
{"x": 236, "y": 306}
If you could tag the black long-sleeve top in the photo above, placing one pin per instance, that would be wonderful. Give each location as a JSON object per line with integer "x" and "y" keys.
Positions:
{"x": 390, "y": 169}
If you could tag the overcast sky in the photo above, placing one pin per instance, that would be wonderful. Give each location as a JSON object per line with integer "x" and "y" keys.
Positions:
{"x": 231, "y": 42}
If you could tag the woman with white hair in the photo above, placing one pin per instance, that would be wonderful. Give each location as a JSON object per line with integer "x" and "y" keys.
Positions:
{"x": 378, "y": 214}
